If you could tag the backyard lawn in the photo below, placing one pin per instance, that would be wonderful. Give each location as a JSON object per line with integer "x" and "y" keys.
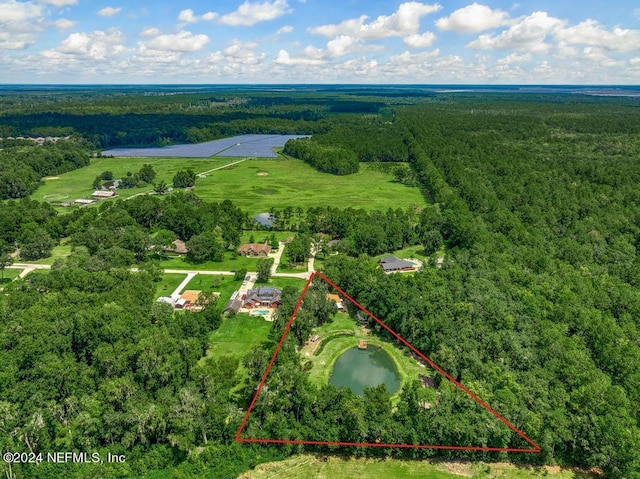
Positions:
{"x": 237, "y": 335}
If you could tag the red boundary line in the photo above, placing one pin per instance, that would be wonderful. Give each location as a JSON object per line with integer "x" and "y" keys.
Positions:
{"x": 536, "y": 447}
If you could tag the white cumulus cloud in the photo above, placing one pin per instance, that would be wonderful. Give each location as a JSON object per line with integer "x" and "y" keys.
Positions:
{"x": 12, "y": 11}
{"x": 183, "y": 41}
{"x": 529, "y": 34}
{"x": 63, "y": 24}
{"x": 97, "y": 45}
{"x": 109, "y": 11}
{"x": 404, "y": 21}
{"x": 423, "y": 40}
{"x": 514, "y": 58}
{"x": 591, "y": 32}
{"x": 473, "y": 18}
{"x": 187, "y": 16}
{"x": 250, "y": 13}
{"x": 284, "y": 58}
{"x": 58, "y": 3}
{"x": 285, "y": 29}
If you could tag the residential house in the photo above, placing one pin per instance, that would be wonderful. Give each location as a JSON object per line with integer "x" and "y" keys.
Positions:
{"x": 179, "y": 247}
{"x": 103, "y": 194}
{"x": 187, "y": 299}
{"x": 253, "y": 249}
{"x": 264, "y": 296}
{"x": 391, "y": 264}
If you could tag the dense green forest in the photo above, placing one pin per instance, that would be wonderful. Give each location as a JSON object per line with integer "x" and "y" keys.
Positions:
{"x": 536, "y": 307}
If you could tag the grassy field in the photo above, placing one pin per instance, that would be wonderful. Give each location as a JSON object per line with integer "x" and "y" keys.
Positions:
{"x": 77, "y": 184}
{"x": 262, "y": 236}
{"x": 288, "y": 182}
{"x": 170, "y": 281}
{"x": 231, "y": 262}
{"x": 237, "y": 335}
{"x": 342, "y": 334}
{"x": 60, "y": 251}
{"x": 327, "y": 467}
{"x": 282, "y": 282}
{"x": 9, "y": 275}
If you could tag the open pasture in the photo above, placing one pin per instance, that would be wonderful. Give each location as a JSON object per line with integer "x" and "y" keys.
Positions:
{"x": 293, "y": 183}
{"x": 254, "y": 185}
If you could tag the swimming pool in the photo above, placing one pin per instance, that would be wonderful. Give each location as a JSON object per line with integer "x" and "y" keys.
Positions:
{"x": 259, "y": 312}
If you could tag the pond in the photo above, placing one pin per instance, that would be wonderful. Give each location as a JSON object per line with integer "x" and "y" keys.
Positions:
{"x": 361, "y": 368}
{"x": 265, "y": 219}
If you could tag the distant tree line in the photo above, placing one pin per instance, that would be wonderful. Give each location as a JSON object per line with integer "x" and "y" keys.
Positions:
{"x": 329, "y": 159}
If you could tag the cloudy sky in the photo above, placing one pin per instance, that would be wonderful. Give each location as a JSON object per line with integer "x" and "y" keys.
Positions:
{"x": 320, "y": 41}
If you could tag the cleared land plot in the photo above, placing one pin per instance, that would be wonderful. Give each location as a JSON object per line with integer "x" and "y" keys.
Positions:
{"x": 243, "y": 145}
{"x": 263, "y": 236}
{"x": 231, "y": 262}
{"x": 294, "y": 183}
{"x": 318, "y": 466}
{"x": 283, "y": 282}
{"x": 237, "y": 335}
{"x": 288, "y": 182}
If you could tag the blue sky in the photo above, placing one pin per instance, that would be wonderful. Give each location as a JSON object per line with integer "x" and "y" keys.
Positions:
{"x": 320, "y": 41}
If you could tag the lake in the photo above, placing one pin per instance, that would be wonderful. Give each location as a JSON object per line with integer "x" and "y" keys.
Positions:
{"x": 361, "y": 368}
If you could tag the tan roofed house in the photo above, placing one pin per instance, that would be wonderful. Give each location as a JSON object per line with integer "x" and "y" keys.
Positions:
{"x": 103, "y": 194}
{"x": 179, "y": 247}
{"x": 336, "y": 299}
{"x": 253, "y": 249}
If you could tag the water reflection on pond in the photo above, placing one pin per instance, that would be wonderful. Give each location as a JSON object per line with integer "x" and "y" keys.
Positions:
{"x": 360, "y": 368}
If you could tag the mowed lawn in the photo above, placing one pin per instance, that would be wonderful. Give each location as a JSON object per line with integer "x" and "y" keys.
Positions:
{"x": 169, "y": 282}
{"x": 293, "y": 183}
{"x": 9, "y": 275}
{"x": 318, "y": 466}
{"x": 237, "y": 335}
{"x": 254, "y": 185}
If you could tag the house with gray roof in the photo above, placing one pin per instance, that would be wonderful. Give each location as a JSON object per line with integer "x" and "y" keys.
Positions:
{"x": 391, "y": 264}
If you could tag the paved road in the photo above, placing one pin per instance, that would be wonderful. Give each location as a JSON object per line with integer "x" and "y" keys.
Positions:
{"x": 32, "y": 267}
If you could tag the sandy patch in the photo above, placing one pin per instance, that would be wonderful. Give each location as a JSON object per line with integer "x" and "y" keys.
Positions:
{"x": 49, "y": 178}
{"x": 262, "y": 173}
{"x": 458, "y": 468}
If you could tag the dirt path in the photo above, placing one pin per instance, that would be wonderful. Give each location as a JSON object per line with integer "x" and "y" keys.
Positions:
{"x": 222, "y": 167}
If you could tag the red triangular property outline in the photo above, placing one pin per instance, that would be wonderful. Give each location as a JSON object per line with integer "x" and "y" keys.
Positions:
{"x": 238, "y": 438}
